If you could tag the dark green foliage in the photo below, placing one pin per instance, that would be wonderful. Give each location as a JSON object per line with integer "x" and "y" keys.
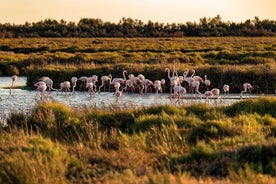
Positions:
{"x": 264, "y": 155}
{"x": 199, "y": 109}
{"x": 208, "y": 131}
{"x": 18, "y": 120}
{"x": 122, "y": 121}
{"x": 128, "y": 27}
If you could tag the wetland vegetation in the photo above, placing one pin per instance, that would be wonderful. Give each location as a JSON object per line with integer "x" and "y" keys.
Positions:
{"x": 160, "y": 144}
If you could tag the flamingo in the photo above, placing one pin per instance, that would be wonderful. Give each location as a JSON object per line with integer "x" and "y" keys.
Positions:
{"x": 173, "y": 79}
{"x": 225, "y": 89}
{"x": 146, "y": 83}
{"x": 246, "y": 86}
{"x": 83, "y": 80}
{"x": 163, "y": 82}
{"x": 179, "y": 92}
{"x": 118, "y": 95}
{"x": 65, "y": 87}
{"x": 14, "y": 79}
{"x": 49, "y": 83}
{"x": 41, "y": 87}
{"x": 90, "y": 87}
{"x": 129, "y": 85}
{"x": 94, "y": 80}
{"x": 195, "y": 87}
{"x": 120, "y": 80}
{"x": 104, "y": 79}
{"x": 74, "y": 83}
{"x": 196, "y": 77}
{"x": 207, "y": 82}
{"x": 189, "y": 80}
{"x": 212, "y": 93}
{"x": 158, "y": 87}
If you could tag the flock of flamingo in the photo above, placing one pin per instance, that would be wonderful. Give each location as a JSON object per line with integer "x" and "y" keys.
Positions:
{"x": 135, "y": 83}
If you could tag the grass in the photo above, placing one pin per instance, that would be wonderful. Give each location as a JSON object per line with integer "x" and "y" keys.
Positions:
{"x": 231, "y": 60}
{"x": 190, "y": 143}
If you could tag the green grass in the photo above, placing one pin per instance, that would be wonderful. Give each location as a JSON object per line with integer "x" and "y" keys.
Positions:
{"x": 190, "y": 143}
{"x": 231, "y": 60}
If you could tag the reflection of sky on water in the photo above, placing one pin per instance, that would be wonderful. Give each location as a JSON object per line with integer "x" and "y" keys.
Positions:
{"x": 6, "y": 81}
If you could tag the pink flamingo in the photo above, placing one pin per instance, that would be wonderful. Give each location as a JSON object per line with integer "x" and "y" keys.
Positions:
{"x": 49, "y": 83}
{"x": 14, "y": 79}
{"x": 173, "y": 79}
{"x": 41, "y": 87}
{"x": 83, "y": 80}
{"x": 90, "y": 87}
{"x": 129, "y": 85}
{"x": 246, "y": 86}
{"x": 189, "y": 80}
{"x": 179, "y": 92}
{"x": 212, "y": 93}
{"x": 105, "y": 79}
{"x": 146, "y": 84}
{"x": 94, "y": 80}
{"x": 65, "y": 87}
{"x": 158, "y": 87}
{"x": 118, "y": 95}
{"x": 196, "y": 77}
{"x": 120, "y": 80}
{"x": 225, "y": 89}
{"x": 195, "y": 87}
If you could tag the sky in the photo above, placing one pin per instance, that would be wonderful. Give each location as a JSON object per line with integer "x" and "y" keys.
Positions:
{"x": 162, "y": 11}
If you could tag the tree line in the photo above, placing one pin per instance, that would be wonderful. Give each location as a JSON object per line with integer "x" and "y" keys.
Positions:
{"x": 128, "y": 27}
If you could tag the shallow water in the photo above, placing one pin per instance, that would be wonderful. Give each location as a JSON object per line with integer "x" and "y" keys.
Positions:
{"x": 5, "y": 82}
{"x": 24, "y": 100}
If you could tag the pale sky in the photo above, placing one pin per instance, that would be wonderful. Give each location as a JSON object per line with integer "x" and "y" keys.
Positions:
{"x": 162, "y": 11}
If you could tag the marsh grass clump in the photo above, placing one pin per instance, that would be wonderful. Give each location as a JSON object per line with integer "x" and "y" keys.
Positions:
{"x": 262, "y": 106}
{"x": 32, "y": 159}
{"x": 210, "y": 130}
{"x": 91, "y": 145}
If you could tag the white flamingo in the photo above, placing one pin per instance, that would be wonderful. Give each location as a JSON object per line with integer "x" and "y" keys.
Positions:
{"x": 225, "y": 89}
{"x": 207, "y": 82}
{"x": 163, "y": 82}
{"x": 247, "y": 87}
{"x": 74, "y": 83}
{"x": 212, "y": 93}
{"x": 14, "y": 79}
